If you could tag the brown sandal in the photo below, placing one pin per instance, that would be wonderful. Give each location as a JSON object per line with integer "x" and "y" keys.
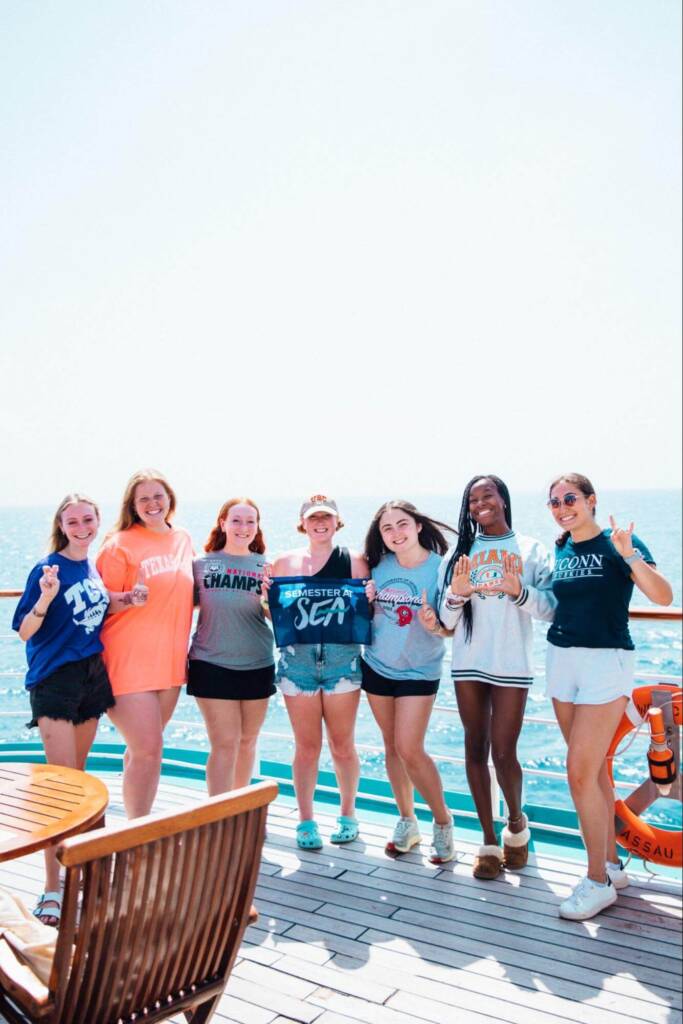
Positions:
{"x": 488, "y": 863}
{"x": 516, "y": 846}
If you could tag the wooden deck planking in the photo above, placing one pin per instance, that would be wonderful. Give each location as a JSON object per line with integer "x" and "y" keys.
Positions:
{"x": 347, "y": 936}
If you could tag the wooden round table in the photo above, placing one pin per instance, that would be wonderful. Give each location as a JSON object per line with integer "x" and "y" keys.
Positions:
{"x": 43, "y": 803}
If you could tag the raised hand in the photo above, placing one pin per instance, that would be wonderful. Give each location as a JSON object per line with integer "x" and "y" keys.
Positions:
{"x": 49, "y": 582}
{"x": 461, "y": 584}
{"x": 140, "y": 592}
{"x": 510, "y": 583}
{"x": 370, "y": 590}
{"x": 427, "y": 615}
{"x": 622, "y": 539}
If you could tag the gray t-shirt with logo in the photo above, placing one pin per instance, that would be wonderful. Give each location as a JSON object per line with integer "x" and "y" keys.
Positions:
{"x": 232, "y": 630}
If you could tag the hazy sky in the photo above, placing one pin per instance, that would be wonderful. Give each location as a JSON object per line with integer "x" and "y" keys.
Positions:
{"x": 280, "y": 247}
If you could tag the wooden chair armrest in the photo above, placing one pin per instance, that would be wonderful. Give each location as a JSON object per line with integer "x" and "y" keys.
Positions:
{"x": 19, "y": 981}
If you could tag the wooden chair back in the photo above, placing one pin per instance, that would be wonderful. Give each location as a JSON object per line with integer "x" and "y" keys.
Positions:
{"x": 164, "y": 906}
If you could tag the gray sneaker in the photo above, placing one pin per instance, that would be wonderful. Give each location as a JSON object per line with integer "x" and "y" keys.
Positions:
{"x": 406, "y": 835}
{"x": 443, "y": 847}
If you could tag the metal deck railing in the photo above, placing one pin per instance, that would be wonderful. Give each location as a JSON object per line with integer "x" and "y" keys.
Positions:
{"x": 176, "y": 760}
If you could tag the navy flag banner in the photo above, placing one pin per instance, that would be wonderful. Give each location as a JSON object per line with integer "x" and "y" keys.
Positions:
{"x": 306, "y": 610}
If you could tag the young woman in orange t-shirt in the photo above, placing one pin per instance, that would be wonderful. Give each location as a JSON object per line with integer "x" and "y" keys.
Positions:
{"x": 146, "y": 653}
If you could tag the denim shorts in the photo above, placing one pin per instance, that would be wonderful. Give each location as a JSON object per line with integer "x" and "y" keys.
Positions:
{"x": 75, "y": 692}
{"x": 588, "y": 675}
{"x": 307, "y": 669}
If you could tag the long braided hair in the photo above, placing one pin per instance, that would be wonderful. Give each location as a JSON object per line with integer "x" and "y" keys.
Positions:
{"x": 467, "y": 532}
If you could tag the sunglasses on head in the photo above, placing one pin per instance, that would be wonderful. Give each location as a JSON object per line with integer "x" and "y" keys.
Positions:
{"x": 569, "y": 500}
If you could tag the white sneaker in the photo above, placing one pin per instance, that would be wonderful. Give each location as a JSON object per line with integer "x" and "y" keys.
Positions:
{"x": 587, "y": 900}
{"x": 443, "y": 847}
{"x": 406, "y": 835}
{"x": 617, "y": 874}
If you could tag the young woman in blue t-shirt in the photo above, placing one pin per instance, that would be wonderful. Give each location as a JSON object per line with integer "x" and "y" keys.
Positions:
{"x": 589, "y": 669}
{"x": 59, "y": 616}
{"x": 402, "y": 667}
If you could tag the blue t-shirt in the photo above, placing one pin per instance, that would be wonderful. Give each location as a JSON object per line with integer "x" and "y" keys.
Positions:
{"x": 401, "y": 647}
{"x": 71, "y": 628}
{"x": 593, "y": 587}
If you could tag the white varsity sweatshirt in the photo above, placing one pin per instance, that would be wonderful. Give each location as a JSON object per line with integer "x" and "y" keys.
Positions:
{"x": 500, "y": 648}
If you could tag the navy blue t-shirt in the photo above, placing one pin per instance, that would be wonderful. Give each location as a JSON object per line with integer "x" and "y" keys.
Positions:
{"x": 593, "y": 587}
{"x": 71, "y": 628}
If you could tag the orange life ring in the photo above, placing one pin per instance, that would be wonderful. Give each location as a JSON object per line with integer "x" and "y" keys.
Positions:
{"x": 659, "y": 845}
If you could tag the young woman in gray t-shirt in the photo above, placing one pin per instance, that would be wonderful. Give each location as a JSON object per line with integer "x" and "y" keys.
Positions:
{"x": 231, "y": 668}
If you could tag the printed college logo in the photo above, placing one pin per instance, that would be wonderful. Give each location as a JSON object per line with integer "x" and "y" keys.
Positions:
{"x": 90, "y": 603}
{"x": 487, "y": 568}
{"x": 398, "y": 601}
{"x": 218, "y": 576}
{"x": 574, "y": 567}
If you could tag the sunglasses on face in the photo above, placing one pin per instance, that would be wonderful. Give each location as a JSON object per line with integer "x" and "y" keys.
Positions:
{"x": 569, "y": 500}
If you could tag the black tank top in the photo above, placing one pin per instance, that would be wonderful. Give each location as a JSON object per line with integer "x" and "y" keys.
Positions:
{"x": 337, "y": 566}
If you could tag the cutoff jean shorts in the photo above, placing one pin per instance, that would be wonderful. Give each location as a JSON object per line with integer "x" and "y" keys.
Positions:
{"x": 307, "y": 669}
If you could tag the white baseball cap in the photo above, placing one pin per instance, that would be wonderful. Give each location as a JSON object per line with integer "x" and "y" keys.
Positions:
{"x": 318, "y": 503}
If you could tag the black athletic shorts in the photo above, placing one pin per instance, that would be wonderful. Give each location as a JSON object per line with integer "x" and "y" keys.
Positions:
{"x": 218, "y": 683}
{"x": 382, "y": 686}
{"x": 75, "y": 692}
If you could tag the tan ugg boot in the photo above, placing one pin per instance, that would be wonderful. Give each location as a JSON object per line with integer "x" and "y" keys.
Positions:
{"x": 516, "y": 846}
{"x": 488, "y": 863}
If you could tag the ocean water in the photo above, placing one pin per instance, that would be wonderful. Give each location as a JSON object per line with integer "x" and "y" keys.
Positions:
{"x": 657, "y": 515}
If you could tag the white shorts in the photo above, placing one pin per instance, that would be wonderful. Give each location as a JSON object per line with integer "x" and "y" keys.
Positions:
{"x": 588, "y": 675}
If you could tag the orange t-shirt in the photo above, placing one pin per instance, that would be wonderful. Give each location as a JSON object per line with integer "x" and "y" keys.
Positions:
{"x": 145, "y": 648}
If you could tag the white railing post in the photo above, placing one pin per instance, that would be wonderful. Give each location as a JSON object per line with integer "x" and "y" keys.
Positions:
{"x": 496, "y": 800}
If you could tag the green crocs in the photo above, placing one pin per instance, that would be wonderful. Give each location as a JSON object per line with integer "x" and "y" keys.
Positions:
{"x": 347, "y": 831}
{"x": 308, "y": 836}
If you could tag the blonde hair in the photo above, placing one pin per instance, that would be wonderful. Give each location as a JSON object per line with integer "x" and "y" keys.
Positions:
{"x": 58, "y": 539}
{"x": 128, "y": 516}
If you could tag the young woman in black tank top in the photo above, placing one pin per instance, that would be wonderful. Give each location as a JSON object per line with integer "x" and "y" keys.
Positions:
{"x": 321, "y": 683}
{"x": 337, "y": 566}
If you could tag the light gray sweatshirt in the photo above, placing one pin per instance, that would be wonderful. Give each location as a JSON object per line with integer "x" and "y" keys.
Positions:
{"x": 500, "y": 648}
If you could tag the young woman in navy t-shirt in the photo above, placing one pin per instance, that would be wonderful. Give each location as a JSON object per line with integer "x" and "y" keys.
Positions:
{"x": 59, "y": 616}
{"x": 589, "y": 669}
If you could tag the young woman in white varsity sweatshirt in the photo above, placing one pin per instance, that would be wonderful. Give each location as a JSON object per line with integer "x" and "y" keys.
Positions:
{"x": 493, "y": 583}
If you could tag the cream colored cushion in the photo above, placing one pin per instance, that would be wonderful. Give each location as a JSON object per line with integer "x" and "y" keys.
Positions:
{"x": 33, "y": 941}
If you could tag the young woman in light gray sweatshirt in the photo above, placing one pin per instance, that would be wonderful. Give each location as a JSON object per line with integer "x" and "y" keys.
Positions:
{"x": 493, "y": 583}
